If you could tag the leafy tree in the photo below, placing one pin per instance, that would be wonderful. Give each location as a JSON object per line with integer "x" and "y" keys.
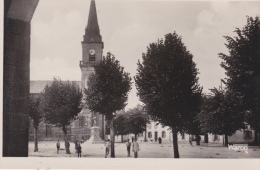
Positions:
{"x": 61, "y": 103}
{"x": 36, "y": 116}
{"x": 243, "y": 71}
{"x": 220, "y": 115}
{"x": 107, "y": 91}
{"x": 167, "y": 83}
{"x": 136, "y": 121}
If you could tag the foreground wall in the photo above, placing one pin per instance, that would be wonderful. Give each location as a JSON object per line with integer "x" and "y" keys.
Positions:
{"x": 17, "y": 31}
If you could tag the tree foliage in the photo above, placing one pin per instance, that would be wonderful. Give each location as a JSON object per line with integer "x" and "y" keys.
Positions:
{"x": 61, "y": 103}
{"x": 108, "y": 87}
{"x": 35, "y": 110}
{"x": 107, "y": 91}
{"x": 242, "y": 68}
{"x": 133, "y": 121}
{"x": 220, "y": 113}
{"x": 167, "y": 83}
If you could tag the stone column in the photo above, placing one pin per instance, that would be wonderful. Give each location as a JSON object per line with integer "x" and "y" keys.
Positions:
{"x": 17, "y": 30}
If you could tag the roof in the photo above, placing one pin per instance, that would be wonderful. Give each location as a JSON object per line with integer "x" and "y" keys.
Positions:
{"x": 37, "y": 86}
{"x": 92, "y": 32}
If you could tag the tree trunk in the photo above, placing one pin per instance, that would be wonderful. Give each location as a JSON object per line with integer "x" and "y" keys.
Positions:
{"x": 206, "y": 138}
{"x": 256, "y": 140}
{"x": 112, "y": 138}
{"x": 35, "y": 139}
{"x": 67, "y": 145}
{"x": 175, "y": 142}
{"x": 145, "y": 136}
{"x": 226, "y": 140}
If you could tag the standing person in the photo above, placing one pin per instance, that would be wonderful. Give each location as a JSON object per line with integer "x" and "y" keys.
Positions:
{"x": 79, "y": 150}
{"x": 128, "y": 146}
{"x": 58, "y": 146}
{"x": 108, "y": 146}
{"x": 160, "y": 140}
{"x": 135, "y": 148}
{"x": 132, "y": 139}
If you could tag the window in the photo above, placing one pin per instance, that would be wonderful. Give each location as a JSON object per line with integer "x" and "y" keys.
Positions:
{"x": 81, "y": 121}
{"x": 248, "y": 134}
{"x": 92, "y": 58}
{"x": 150, "y": 135}
{"x": 163, "y": 134}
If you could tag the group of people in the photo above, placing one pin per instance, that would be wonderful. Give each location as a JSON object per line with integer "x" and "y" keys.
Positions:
{"x": 135, "y": 147}
{"x": 77, "y": 147}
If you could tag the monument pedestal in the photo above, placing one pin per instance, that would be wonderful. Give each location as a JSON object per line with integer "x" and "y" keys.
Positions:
{"x": 95, "y": 139}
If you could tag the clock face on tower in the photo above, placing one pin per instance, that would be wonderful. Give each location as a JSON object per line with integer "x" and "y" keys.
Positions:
{"x": 92, "y": 52}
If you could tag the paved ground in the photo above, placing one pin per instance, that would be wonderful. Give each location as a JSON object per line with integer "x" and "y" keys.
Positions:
{"x": 148, "y": 150}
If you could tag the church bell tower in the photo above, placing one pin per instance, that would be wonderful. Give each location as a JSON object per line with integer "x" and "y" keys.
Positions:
{"x": 92, "y": 46}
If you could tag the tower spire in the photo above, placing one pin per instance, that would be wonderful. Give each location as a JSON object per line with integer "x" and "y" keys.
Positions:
{"x": 92, "y": 33}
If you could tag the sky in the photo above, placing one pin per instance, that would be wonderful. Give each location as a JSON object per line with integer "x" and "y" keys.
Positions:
{"x": 127, "y": 28}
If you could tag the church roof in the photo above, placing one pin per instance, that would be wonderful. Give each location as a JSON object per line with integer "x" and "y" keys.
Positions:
{"x": 92, "y": 33}
{"x": 37, "y": 86}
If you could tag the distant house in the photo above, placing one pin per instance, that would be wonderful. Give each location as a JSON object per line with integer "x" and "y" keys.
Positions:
{"x": 155, "y": 130}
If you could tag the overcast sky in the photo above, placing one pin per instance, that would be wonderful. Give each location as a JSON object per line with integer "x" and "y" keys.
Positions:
{"x": 127, "y": 28}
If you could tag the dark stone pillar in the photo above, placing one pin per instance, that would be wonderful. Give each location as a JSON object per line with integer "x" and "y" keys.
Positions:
{"x": 16, "y": 79}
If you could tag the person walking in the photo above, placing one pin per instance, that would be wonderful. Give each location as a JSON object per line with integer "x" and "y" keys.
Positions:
{"x": 108, "y": 146}
{"x": 79, "y": 150}
{"x": 135, "y": 148}
{"x": 128, "y": 147}
{"x": 58, "y": 146}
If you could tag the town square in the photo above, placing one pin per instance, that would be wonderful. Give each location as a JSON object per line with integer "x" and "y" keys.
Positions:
{"x": 131, "y": 80}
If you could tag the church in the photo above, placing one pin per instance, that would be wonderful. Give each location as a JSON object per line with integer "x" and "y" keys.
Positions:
{"x": 92, "y": 51}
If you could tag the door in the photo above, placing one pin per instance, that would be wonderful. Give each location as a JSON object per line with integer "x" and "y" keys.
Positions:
{"x": 155, "y": 136}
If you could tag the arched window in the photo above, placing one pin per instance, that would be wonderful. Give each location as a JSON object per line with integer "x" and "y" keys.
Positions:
{"x": 150, "y": 135}
{"x": 163, "y": 134}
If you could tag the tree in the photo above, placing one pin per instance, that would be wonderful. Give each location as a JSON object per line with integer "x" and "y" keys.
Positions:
{"x": 107, "y": 91}
{"x": 36, "y": 116}
{"x": 136, "y": 121}
{"x": 243, "y": 71}
{"x": 167, "y": 84}
{"x": 220, "y": 115}
{"x": 61, "y": 103}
